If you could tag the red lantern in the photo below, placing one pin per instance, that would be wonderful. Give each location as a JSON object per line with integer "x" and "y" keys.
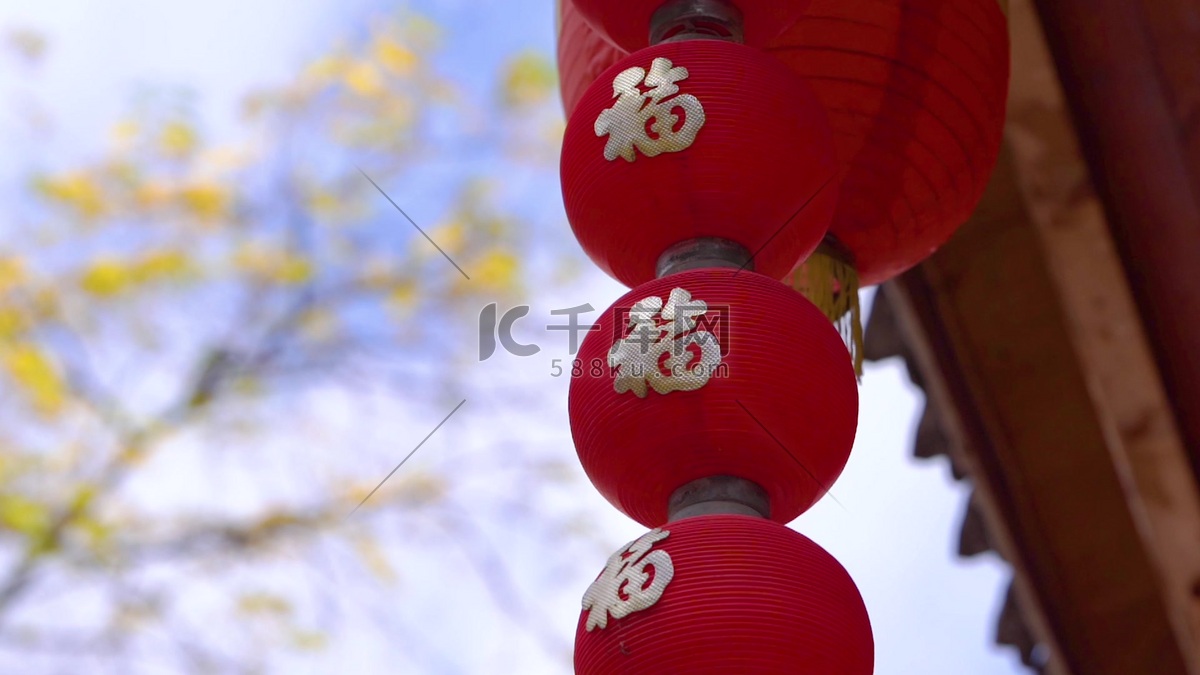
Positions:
{"x": 697, "y": 139}
{"x": 581, "y": 50}
{"x": 706, "y": 373}
{"x": 724, "y": 594}
{"x": 629, "y": 24}
{"x": 915, "y": 91}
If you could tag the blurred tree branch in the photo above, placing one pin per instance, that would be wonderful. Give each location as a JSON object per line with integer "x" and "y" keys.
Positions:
{"x": 176, "y": 288}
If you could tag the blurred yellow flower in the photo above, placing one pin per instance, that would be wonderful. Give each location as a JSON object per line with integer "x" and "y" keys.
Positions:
{"x": 264, "y": 603}
{"x": 166, "y": 264}
{"x": 23, "y": 515}
{"x": 402, "y": 294}
{"x": 394, "y": 56}
{"x": 375, "y": 560}
{"x": 125, "y": 131}
{"x": 205, "y": 200}
{"x": 293, "y": 270}
{"x": 530, "y": 79}
{"x": 417, "y": 488}
{"x": 76, "y": 190}
{"x": 322, "y": 201}
{"x": 450, "y": 237}
{"x": 274, "y": 265}
{"x": 12, "y": 273}
{"x": 29, "y": 44}
{"x": 106, "y": 277}
{"x": 326, "y": 67}
{"x": 309, "y": 640}
{"x": 13, "y": 322}
{"x": 496, "y": 269}
{"x": 177, "y": 139}
{"x": 364, "y": 79}
{"x": 34, "y": 372}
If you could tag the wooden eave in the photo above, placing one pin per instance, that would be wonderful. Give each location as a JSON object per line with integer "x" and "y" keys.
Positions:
{"x": 1042, "y": 332}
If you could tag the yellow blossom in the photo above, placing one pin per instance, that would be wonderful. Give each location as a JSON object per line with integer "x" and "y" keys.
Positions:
{"x": 274, "y": 265}
{"x": 77, "y": 190}
{"x": 363, "y": 78}
{"x": 34, "y": 372}
{"x": 205, "y": 200}
{"x": 450, "y": 237}
{"x": 167, "y": 264}
{"x": 177, "y": 139}
{"x": 323, "y": 202}
{"x": 23, "y": 515}
{"x": 309, "y": 640}
{"x": 530, "y": 79}
{"x": 12, "y": 323}
{"x": 125, "y": 131}
{"x": 264, "y": 603}
{"x": 394, "y": 56}
{"x": 292, "y": 270}
{"x": 106, "y": 277}
{"x": 12, "y": 273}
{"x": 497, "y": 269}
{"x": 326, "y": 67}
{"x": 402, "y": 294}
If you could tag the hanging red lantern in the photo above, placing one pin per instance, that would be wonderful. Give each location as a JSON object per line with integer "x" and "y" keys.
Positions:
{"x": 635, "y": 24}
{"x": 915, "y": 91}
{"x": 697, "y": 139}
{"x": 723, "y": 594}
{"x": 712, "y": 372}
{"x": 581, "y": 50}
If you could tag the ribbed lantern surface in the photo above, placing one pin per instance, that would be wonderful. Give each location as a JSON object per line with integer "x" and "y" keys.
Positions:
{"x": 712, "y": 372}
{"x": 711, "y": 145}
{"x": 915, "y": 91}
{"x": 743, "y": 596}
{"x": 698, "y": 139}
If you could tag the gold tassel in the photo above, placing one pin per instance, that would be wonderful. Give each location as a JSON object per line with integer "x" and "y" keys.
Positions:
{"x": 828, "y": 279}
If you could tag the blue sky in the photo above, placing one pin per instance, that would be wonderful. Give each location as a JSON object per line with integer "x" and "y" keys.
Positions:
{"x": 894, "y": 523}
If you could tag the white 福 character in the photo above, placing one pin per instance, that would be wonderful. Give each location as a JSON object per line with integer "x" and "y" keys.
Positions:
{"x": 625, "y": 122}
{"x": 633, "y": 579}
{"x": 661, "y": 355}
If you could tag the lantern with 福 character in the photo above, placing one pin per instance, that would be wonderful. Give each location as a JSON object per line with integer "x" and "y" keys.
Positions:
{"x": 915, "y": 93}
{"x": 723, "y": 594}
{"x": 698, "y": 140}
{"x": 712, "y": 372}
{"x": 714, "y": 148}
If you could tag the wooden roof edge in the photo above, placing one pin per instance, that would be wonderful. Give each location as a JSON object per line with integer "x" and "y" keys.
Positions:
{"x": 1130, "y": 75}
{"x": 884, "y": 339}
{"x": 1043, "y": 374}
{"x": 985, "y": 326}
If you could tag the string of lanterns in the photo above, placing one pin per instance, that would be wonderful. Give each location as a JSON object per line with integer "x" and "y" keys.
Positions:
{"x": 714, "y": 150}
